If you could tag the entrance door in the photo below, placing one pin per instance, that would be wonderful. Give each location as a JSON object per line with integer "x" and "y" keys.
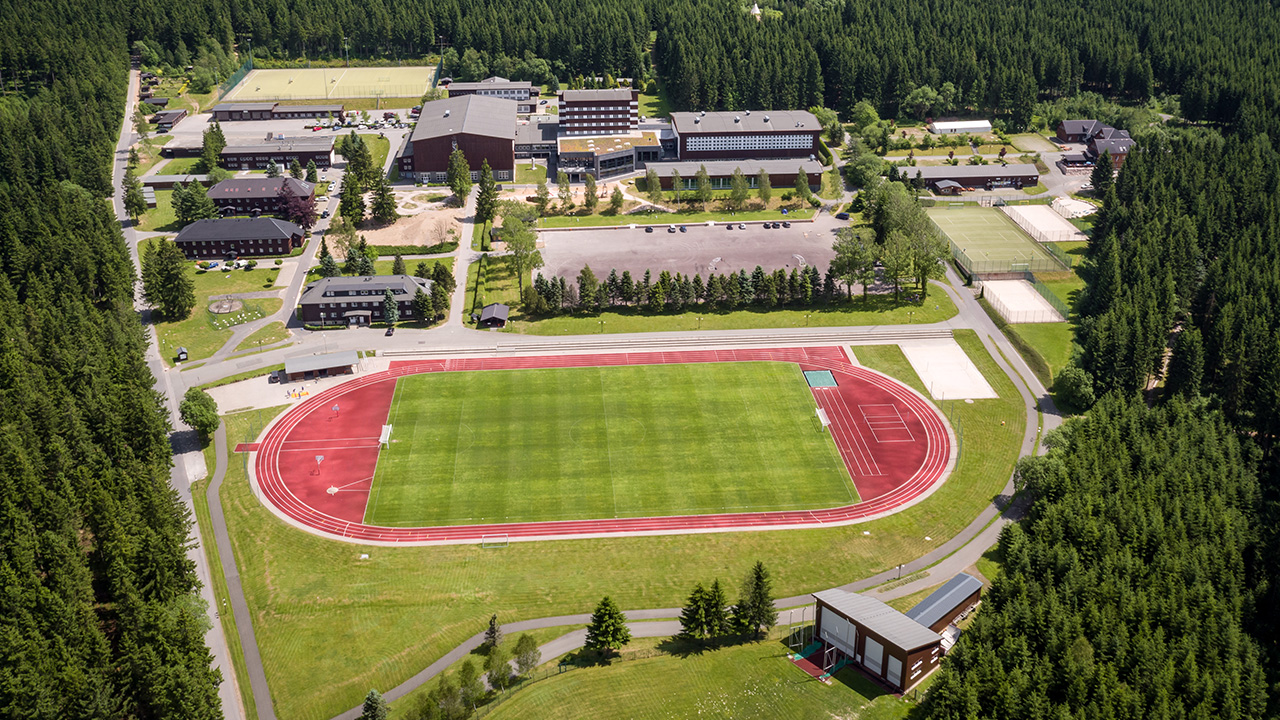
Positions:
{"x": 894, "y": 675}
{"x": 873, "y": 655}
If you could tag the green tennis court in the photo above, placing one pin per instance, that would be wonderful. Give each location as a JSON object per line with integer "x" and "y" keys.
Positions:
{"x": 332, "y": 83}
{"x": 604, "y": 442}
{"x": 987, "y": 235}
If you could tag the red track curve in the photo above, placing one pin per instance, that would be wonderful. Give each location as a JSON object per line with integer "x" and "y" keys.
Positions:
{"x": 272, "y": 487}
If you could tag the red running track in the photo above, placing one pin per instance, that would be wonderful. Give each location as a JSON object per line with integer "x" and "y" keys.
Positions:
{"x": 893, "y": 442}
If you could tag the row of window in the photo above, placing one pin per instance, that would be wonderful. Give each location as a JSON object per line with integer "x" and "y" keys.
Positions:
{"x": 570, "y": 110}
{"x": 406, "y": 312}
{"x": 273, "y": 242}
{"x": 789, "y": 141}
{"x": 361, "y": 304}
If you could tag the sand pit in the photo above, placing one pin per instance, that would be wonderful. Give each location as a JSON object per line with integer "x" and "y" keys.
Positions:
{"x": 427, "y": 227}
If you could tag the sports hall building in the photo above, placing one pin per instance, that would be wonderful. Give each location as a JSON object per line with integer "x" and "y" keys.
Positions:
{"x": 746, "y": 135}
{"x": 483, "y": 127}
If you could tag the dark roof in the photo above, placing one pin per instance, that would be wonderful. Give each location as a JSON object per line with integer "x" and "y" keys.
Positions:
{"x": 157, "y": 101}
{"x": 238, "y": 107}
{"x": 491, "y": 84}
{"x": 1115, "y": 146}
{"x": 969, "y": 172}
{"x": 239, "y": 229}
{"x": 169, "y": 116}
{"x": 614, "y": 94}
{"x": 310, "y": 108}
{"x": 470, "y": 114}
{"x": 311, "y": 363}
{"x": 893, "y": 626}
{"x": 149, "y": 180}
{"x": 258, "y": 187}
{"x": 305, "y": 143}
{"x": 537, "y": 133}
{"x": 1079, "y": 127}
{"x": 373, "y": 285}
{"x": 945, "y": 599}
{"x": 725, "y": 168}
{"x": 494, "y": 311}
{"x": 744, "y": 121}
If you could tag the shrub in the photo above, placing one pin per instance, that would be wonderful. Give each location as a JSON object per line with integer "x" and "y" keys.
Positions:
{"x": 1074, "y": 386}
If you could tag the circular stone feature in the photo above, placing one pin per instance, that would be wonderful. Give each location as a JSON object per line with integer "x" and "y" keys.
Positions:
{"x": 225, "y": 306}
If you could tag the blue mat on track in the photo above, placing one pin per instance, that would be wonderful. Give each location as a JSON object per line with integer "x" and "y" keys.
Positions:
{"x": 820, "y": 378}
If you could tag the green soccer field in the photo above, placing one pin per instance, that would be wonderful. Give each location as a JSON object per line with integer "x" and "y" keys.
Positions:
{"x": 987, "y": 234}
{"x": 589, "y": 443}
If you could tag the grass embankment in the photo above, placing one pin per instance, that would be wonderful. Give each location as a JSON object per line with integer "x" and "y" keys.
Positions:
{"x": 749, "y": 680}
{"x": 382, "y": 266}
{"x": 273, "y": 333}
{"x": 204, "y": 333}
{"x": 330, "y": 625}
{"x": 490, "y": 280}
{"x": 379, "y": 148}
{"x": 149, "y": 154}
{"x": 605, "y": 442}
{"x": 180, "y": 166}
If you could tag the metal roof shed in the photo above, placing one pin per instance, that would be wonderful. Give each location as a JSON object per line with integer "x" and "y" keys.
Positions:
{"x": 323, "y": 364}
{"x": 945, "y": 603}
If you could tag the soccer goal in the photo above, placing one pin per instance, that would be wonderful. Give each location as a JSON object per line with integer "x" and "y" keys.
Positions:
{"x": 493, "y": 541}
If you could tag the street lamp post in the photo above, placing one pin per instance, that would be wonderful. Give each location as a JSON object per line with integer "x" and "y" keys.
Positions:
{"x": 602, "y": 327}
{"x": 806, "y": 321}
{"x": 699, "y": 324}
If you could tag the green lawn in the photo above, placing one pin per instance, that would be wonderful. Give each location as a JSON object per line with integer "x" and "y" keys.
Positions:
{"x": 204, "y": 333}
{"x": 655, "y": 106}
{"x": 381, "y": 266}
{"x": 148, "y": 154}
{"x": 1035, "y": 189}
{"x": 1052, "y": 340}
{"x": 273, "y": 333}
{"x": 752, "y": 680}
{"x": 160, "y": 218}
{"x": 584, "y": 443}
{"x": 331, "y": 625}
{"x": 906, "y": 602}
{"x": 499, "y": 286}
{"x": 832, "y": 185}
{"x": 211, "y": 283}
{"x": 379, "y": 147}
{"x": 526, "y": 175}
{"x": 179, "y": 166}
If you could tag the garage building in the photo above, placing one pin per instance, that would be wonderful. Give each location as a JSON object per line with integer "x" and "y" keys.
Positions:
{"x": 308, "y": 367}
{"x": 974, "y": 177}
{"x": 884, "y": 643}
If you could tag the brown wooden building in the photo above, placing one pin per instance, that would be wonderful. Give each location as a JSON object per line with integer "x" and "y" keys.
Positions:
{"x": 782, "y": 173}
{"x": 599, "y": 112}
{"x": 973, "y": 177}
{"x": 239, "y": 237}
{"x": 948, "y": 602}
{"x": 358, "y": 300}
{"x": 284, "y": 150}
{"x": 245, "y": 196}
{"x": 746, "y": 135}
{"x": 1098, "y": 138}
{"x": 166, "y": 119}
{"x": 882, "y": 642}
{"x": 484, "y": 128}
{"x": 226, "y": 112}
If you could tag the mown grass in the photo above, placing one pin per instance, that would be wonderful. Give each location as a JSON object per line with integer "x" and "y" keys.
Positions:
{"x": 272, "y": 333}
{"x": 586, "y": 443}
{"x": 215, "y": 283}
{"x": 749, "y": 680}
{"x": 330, "y": 625}
{"x": 160, "y": 218}
{"x": 204, "y": 333}
{"x": 526, "y": 175}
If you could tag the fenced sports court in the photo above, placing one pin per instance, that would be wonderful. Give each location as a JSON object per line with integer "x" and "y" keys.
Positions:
{"x": 332, "y": 83}
{"x": 1044, "y": 223}
{"x": 984, "y": 240}
{"x": 1020, "y": 301}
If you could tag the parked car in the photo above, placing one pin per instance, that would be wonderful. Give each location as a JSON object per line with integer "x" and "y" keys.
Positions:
{"x": 671, "y": 228}
{"x": 542, "y": 102}
{"x": 391, "y": 331}
{"x": 742, "y": 226}
{"x": 648, "y": 228}
{"x": 785, "y": 223}
{"x": 324, "y": 214}
{"x": 275, "y": 376}
{"x": 683, "y": 229}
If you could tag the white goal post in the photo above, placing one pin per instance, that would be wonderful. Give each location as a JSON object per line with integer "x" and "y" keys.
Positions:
{"x": 822, "y": 418}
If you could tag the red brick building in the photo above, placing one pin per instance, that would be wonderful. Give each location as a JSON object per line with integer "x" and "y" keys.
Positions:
{"x": 599, "y": 112}
{"x": 746, "y": 134}
{"x": 245, "y": 196}
{"x": 484, "y": 128}
{"x": 1098, "y": 138}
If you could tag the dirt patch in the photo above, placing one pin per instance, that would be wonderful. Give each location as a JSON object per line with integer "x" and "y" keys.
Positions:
{"x": 427, "y": 227}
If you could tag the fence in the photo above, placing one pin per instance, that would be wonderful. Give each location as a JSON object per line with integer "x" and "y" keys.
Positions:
{"x": 1041, "y": 236}
{"x": 1059, "y": 255}
{"x": 1015, "y": 317}
{"x": 235, "y": 78}
{"x": 1051, "y": 297}
{"x": 973, "y": 267}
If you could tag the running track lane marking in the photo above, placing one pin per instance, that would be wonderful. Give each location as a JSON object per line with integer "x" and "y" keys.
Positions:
{"x": 926, "y": 478}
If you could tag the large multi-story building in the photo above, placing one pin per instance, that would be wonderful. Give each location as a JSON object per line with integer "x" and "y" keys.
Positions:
{"x": 746, "y": 134}
{"x": 236, "y": 237}
{"x": 284, "y": 150}
{"x": 524, "y": 94}
{"x": 606, "y": 155}
{"x": 244, "y": 196}
{"x": 599, "y": 112}
{"x": 484, "y": 128}
{"x": 782, "y": 173}
{"x": 358, "y": 300}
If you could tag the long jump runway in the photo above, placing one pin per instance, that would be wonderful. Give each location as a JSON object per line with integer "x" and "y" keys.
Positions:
{"x": 895, "y": 445}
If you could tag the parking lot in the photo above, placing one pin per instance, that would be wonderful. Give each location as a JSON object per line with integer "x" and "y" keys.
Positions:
{"x": 701, "y": 249}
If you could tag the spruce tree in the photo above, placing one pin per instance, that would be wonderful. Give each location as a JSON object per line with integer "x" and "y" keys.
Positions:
{"x": 375, "y": 707}
{"x": 351, "y": 206}
{"x": 384, "y": 202}
{"x": 607, "y": 630}
{"x": 135, "y": 204}
{"x": 273, "y": 168}
{"x": 167, "y": 286}
{"x": 397, "y": 266}
{"x": 590, "y": 200}
{"x": 422, "y": 306}
{"x": 295, "y": 170}
{"x": 390, "y": 308}
{"x": 693, "y": 619}
{"x": 439, "y": 299}
{"x": 716, "y": 610}
{"x": 1103, "y": 174}
{"x": 493, "y": 635}
{"x": 487, "y": 198}
{"x": 763, "y": 187}
{"x": 754, "y": 612}
{"x": 312, "y": 176}
{"x": 459, "y": 176}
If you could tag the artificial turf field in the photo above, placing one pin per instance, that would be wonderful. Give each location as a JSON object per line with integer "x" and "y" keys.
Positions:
{"x": 603, "y": 442}
{"x": 335, "y": 83}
